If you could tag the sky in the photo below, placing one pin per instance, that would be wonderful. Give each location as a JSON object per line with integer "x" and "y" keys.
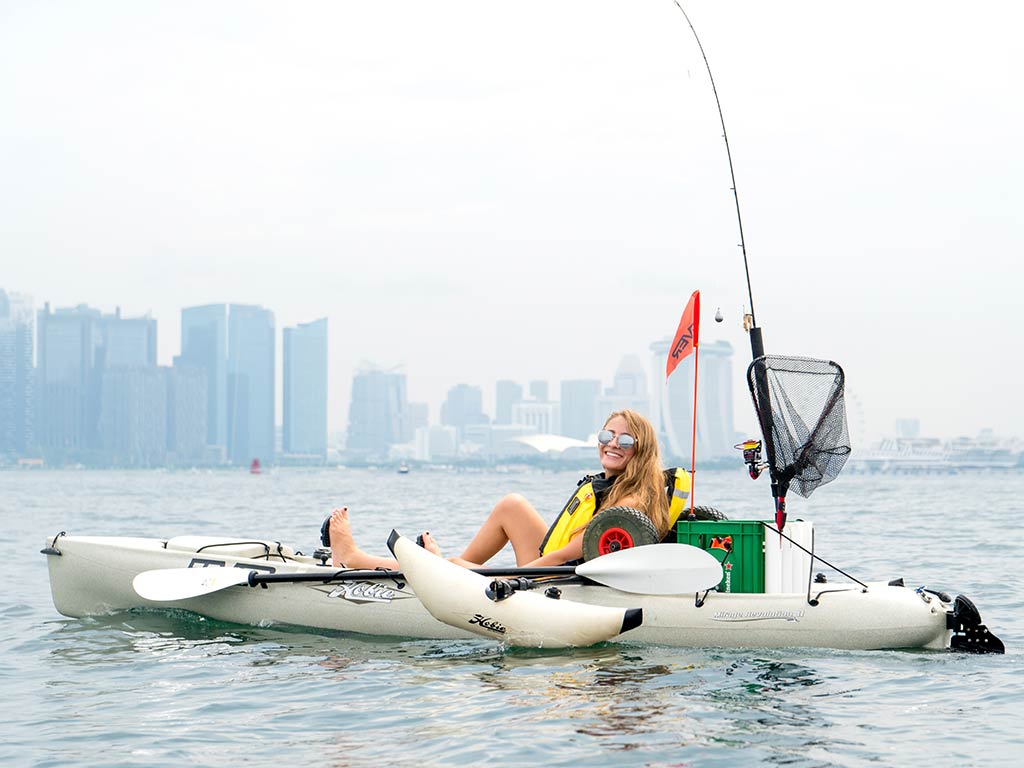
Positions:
{"x": 472, "y": 191}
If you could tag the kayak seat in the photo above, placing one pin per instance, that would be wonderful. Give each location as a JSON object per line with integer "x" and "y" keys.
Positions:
{"x": 216, "y": 545}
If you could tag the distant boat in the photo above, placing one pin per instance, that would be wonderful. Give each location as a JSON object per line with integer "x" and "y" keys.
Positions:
{"x": 403, "y": 469}
{"x": 254, "y": 468}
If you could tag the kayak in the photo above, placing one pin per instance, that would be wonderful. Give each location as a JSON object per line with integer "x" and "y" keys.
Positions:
{"x": 496, "y": 609}
{"x": 273, "y": 584}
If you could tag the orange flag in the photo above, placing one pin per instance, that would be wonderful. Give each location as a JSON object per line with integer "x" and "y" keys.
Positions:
{"x": 685, "y": 341}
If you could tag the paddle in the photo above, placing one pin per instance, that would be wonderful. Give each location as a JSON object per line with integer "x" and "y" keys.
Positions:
{"x": 656, "y": 569}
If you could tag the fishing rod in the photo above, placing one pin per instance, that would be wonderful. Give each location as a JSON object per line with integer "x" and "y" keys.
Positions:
{"x": 756, "y": 342}
{"x": 815, "y": 452}
{"x": 762, "y": 400}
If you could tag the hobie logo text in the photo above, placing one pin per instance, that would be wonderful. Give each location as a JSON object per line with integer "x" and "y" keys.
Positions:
{"x": 363, "y": 592}
{"x": 491, "y": 624}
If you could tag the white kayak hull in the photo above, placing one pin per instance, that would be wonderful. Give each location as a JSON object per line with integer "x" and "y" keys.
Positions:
{"x": 93, "y": 576}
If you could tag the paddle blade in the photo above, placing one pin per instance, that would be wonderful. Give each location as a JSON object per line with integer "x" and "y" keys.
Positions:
{"x": 655, "y": 569}
{"x": 168, "y": 584}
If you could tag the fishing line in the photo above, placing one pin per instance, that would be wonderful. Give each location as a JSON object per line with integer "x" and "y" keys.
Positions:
{"x": 728, "y": 152}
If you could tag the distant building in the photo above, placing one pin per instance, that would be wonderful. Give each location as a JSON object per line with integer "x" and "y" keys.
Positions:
{"x": 132, "y": 426}
{"x": 539, "y": 391}
{"x": 17, "y": 376}
{"x": 133, "y": 416}
{"x": 463, "y": 407}
{"x": 507, "y": 394}
{"x": 419, "y": 416}
{"x": 204, "y": 345}
{"x": 251, "y": 384}
{"x": 580, "y": 418}
{"x": 378, "y": 413}
{"x": 539, "y": 417}
{"x": 437, "y": 444}
{"x": 68, "y": 357}
{"x": 496, "y": 442}
{"x": 908, "y": 428}
{"x": 305, "y": 389}
{"x": 128, "y": 341}
{"x": 628, "y": 391}
{"x": 716, "y": 431}
{"x": 186, "y": 414}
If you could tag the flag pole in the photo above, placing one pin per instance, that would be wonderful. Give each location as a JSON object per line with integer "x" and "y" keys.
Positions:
{"x": 687, "y": 340}
{"x": 693, "y": 438}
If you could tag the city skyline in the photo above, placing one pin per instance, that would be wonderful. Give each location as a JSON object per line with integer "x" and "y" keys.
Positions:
{"x": 101, "y": 400}
{"x": 100, "y": 397}
{"x": 132, "y": 340}
{"x": 472, "y": 213}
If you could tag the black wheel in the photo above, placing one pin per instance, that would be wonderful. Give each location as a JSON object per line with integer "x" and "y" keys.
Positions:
{"x": 617, "y": 528}
{"x": 703, "y": 513}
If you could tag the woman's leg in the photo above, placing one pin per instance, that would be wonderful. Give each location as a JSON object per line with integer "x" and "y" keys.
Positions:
{"x": 344, "y": 551}
{"x": 513, "y": 520}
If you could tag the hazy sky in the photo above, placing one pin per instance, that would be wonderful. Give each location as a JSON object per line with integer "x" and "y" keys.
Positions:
{"x": 478, "y": 190}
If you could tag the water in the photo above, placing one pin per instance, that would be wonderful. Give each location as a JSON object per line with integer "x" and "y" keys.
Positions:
{"x": 149, "y": 689}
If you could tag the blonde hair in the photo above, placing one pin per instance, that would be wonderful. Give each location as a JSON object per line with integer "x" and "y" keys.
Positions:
{"x": 643, "y": 479}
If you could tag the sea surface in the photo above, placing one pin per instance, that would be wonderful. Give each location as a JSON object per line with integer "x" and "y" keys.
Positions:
{"x": 149, "y": 689}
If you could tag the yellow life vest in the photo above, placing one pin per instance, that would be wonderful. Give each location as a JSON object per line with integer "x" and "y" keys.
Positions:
{"x": 583, "y": 505}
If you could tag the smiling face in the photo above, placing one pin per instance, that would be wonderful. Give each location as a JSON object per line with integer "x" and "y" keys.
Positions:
{"x": 613, "y": 458}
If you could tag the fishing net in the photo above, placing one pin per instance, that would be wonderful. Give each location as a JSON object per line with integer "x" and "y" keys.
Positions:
{"x": 802, "y": 410}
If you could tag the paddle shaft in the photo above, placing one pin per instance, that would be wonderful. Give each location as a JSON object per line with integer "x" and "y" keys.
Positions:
{"x": 658, "y": 569}
{"x": 256, "y": 578}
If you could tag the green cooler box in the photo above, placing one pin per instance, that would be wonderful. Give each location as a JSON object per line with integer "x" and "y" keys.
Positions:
{"x": 738, "y": 545}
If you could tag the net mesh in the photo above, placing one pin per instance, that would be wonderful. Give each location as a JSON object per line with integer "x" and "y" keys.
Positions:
{"x": 802, "y": 410}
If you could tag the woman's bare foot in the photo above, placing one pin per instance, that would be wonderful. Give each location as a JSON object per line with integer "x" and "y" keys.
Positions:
{"x": 345, "y": 553}
{"x": 430, "y": 545}
{"x": 343, "y": 546}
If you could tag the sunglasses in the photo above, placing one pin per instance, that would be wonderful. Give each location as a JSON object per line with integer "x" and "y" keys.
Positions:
{"x": 625, "y": 442}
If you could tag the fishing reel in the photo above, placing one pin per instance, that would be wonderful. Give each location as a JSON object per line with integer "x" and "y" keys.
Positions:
{"x": 752, "y": 457}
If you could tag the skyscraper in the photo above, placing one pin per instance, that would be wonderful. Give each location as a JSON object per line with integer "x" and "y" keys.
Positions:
{"x": 539, "y": 390}
{"x": 250, "y": 401}
{"x": 186, "y": 413}
{"x": 628, "y": 391}
{"x": 715, "y": 426}
{"x": 133, "y": 416}
{"x": 17, "y": 376}
{"x": 419, "y": 417}
{"x": 580, "y": 418}
{"x": 463, "y": 407}
{"x": 128, "y": 341}
{"x": 507, "y": 394}
{"x": 68, "y": 356}
{"x": 132, "y": 426}
{"x": 377, "y": 415}
{"x": 305, "y": 389}
{"x": 204, "y": 345}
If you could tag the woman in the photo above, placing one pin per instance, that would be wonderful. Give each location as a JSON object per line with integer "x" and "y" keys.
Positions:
{"x": 632, "y": 477}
